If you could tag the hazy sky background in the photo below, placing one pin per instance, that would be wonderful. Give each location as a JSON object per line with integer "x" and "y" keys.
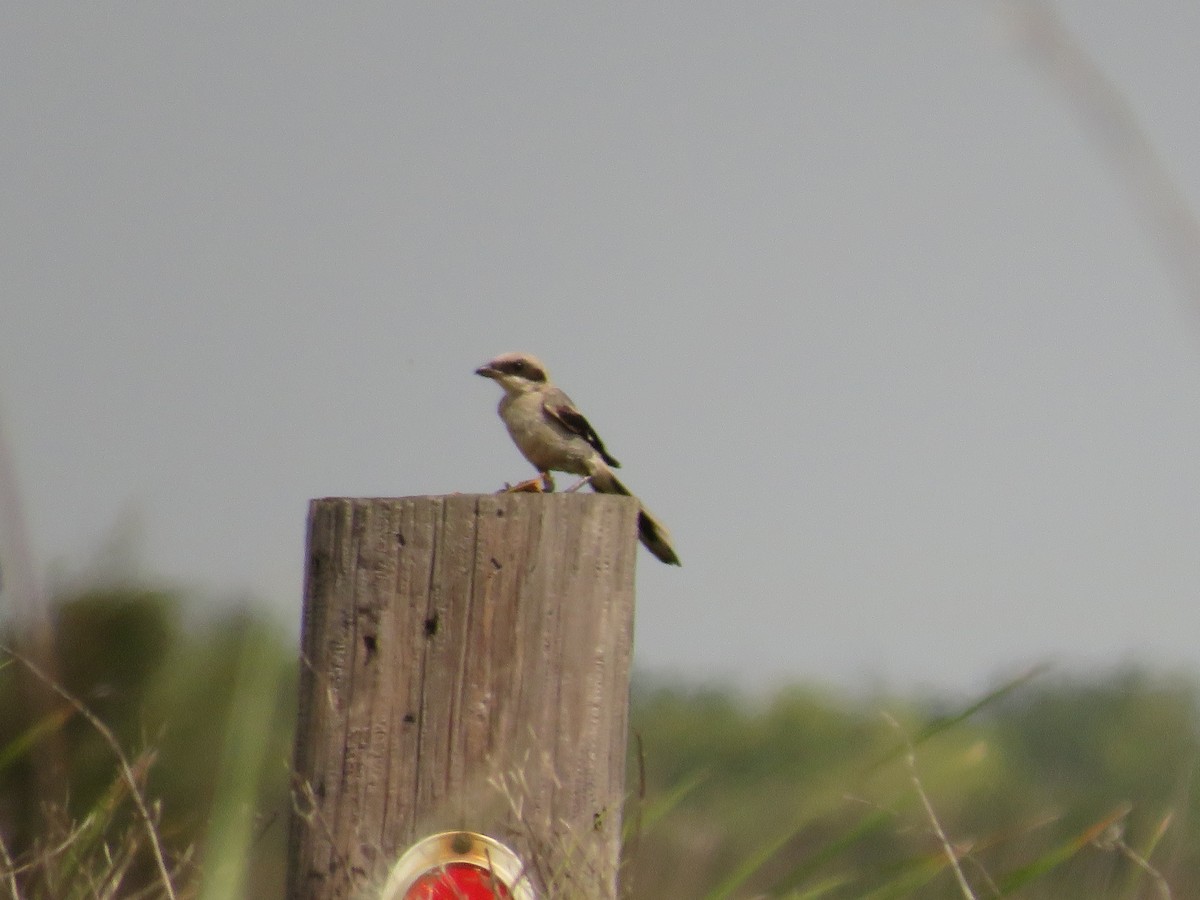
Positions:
{"x": 849, "y": 288}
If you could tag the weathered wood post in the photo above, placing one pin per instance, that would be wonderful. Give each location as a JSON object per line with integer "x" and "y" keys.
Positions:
{"x": 465, "y": 666}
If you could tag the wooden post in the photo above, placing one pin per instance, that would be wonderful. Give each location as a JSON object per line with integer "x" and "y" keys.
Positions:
{"x": 465, "y": 666}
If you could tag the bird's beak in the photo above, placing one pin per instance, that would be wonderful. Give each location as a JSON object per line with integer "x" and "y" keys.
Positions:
{"x": 486, "y": 371}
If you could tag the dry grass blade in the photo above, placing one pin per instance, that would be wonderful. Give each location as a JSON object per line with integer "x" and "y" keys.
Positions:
{"x": 126, "y": 772}
{"x": 1120, "y": 133}
{"x": 182, "y": 864}
{"x": 47, "y": 854}
{"x": 118, "y": 867}
{"x": 911, "y": 761}
{"x": 1113, "y": 840}
{"x": 10, "y": 874}
{"x": 1015, "y": 881}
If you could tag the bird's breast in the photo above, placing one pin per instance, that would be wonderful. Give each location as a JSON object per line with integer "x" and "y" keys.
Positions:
{"x": 545, "y": 444}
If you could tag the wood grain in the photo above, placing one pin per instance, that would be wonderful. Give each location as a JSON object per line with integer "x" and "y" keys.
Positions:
{"x": 465, "y": 666}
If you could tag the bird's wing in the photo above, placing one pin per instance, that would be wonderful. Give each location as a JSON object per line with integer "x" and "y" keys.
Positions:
{"x": 560, "y": 409}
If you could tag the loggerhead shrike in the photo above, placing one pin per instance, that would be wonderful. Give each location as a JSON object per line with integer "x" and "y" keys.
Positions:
{"x": 553, "y": 435}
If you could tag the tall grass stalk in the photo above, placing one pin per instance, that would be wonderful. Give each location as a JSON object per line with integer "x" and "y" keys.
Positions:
{"x": 253, "y": 716}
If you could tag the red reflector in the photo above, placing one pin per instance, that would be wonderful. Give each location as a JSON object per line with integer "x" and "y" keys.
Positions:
{"x": 458, "y": 881}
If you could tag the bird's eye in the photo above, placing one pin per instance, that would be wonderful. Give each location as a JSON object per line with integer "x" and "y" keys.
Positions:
{"x": 518, "y": 366}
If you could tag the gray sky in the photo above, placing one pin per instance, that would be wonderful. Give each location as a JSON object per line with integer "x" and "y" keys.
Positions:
{"x": 850, "y": 290}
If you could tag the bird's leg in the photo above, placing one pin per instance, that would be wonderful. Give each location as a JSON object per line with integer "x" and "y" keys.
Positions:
{"x": 580, "y": 483}
{"x": 542, "y": 484}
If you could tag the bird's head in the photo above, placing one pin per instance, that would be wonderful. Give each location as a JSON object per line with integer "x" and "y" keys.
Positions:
{"x": 517, "y": 373}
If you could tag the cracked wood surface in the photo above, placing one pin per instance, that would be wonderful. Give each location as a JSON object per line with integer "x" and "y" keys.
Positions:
{"x": 465, "y": 665}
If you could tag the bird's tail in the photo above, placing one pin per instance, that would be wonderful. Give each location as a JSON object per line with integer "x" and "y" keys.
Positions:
{"x": 652, "y": 533}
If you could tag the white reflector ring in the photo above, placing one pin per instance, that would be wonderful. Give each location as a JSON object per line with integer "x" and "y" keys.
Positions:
{"x": 439, "y": 851}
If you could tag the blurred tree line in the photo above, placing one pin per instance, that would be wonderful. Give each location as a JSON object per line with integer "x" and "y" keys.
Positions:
{"x": 1051, "y": 787}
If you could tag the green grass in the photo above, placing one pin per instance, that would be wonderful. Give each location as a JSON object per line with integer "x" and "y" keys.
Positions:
{"x": 162, "y": 770}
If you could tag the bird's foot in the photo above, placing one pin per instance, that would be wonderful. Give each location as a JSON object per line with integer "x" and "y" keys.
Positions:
{"x": 580, "y": 483}
{"x": 532, "y": 486}
{"x": 542, "y": 484}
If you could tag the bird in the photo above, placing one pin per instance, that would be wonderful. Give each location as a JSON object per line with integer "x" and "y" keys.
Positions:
{"x": 554, "y": 436}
